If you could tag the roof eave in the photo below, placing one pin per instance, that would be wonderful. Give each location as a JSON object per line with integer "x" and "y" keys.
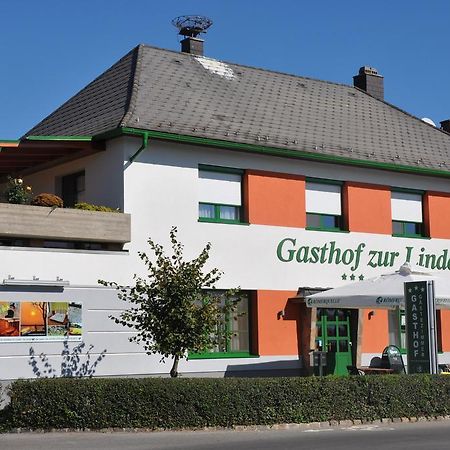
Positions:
{"x": 272, "y": 151}
{"x": 37, "y": 153}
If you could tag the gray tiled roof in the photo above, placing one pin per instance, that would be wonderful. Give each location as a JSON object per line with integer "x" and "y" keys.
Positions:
{"x": 162, "y": 90}
{"x": 97, "y": 108}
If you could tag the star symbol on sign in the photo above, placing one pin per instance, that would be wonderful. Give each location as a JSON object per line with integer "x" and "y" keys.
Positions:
{"x": 344, "y": 276}
{"x": 422, "y": 290}
{"x": 361, "y": 277}
{"x": 352, "y": 277}
{"x": 416, "y": 287}
{"x": 410, "y": 290}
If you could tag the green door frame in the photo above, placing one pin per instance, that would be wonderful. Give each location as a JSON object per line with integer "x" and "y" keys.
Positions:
{"x": 334, "y": 336}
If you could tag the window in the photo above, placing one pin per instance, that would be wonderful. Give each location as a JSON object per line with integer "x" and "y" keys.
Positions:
{"x": 40, "y": 320}
{"x": 220, "y": 194}
{"x": 232, "y": 333}
{"x": 73, "y": 189}
{"x": 401, "y": 317}
{"x": 397, "y": 329}
{"x": 323, "y": 206}
{"x": 407, "y": 215}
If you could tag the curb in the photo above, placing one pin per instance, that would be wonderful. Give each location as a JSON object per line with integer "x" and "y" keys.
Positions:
{"x": 281, "y": 426}
{"x": 337, "y": 423}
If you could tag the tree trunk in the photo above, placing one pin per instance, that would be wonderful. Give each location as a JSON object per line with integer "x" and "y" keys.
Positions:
{"x": 174, "y": 369}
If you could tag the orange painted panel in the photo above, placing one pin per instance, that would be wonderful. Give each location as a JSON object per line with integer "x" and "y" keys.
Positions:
{"x": 445, "y": 330}
{"x": 375, "y": 335}
{"x": 437, "y": 214}
{"x": 368, "y": 208}
{"x": 275, "y": 199}
{"x": 277, "y": 335}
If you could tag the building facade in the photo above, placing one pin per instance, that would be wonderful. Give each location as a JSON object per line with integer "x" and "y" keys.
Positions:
{"x": 299, "y": 184}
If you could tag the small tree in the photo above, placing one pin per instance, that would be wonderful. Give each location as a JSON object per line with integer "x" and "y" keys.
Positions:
{"x": 172, "y": 310}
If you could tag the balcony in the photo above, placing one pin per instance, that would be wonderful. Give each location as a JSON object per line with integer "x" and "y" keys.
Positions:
{"x": 36, "y": 225}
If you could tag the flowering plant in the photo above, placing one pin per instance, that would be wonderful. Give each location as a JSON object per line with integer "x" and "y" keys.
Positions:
{"x": 17, "y": 192}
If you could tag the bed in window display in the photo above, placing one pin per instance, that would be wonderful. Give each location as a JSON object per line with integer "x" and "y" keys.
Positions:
{"x": 24, "y": 321}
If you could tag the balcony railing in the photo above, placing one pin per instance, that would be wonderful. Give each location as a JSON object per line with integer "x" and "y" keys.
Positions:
{"x": 37, "y": 223}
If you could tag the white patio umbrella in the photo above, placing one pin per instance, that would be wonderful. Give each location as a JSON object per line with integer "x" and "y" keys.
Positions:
{"x": 384, "y": 291}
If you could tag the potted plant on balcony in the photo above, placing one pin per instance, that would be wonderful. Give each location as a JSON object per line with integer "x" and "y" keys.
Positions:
{"x": 50, "y": 200}
{"x": 17, "y": 192}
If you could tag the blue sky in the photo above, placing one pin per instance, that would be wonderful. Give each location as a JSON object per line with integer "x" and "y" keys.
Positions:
{"x": 52, "y": 48}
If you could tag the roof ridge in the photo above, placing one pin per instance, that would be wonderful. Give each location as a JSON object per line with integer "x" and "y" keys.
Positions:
{"x": 149, "y": 91}
{"x": 134, "y": 85}
{"x": 190, "y": 55}
{"x": 402, "y": 111}
{"x": 334, "y": 83}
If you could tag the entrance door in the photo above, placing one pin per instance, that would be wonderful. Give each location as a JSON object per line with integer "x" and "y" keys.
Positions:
{"x": 333, "y": 336}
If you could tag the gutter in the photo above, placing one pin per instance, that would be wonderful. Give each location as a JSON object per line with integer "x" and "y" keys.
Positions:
{"x": 144, "y": 145}
{"x": 272, "y": 151}
{"x": 251, "y": 148}
{"x": 58, "y": 138}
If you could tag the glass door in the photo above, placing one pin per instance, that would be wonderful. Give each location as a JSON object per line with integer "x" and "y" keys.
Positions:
{"x": 333, "y": 336}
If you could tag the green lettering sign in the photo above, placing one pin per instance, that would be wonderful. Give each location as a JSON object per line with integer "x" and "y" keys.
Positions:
{"x": 417, "y": 327}
{"x": 357, "y": 257}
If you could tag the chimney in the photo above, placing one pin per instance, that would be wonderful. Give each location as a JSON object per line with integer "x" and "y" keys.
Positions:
{"x": 192, "y": 45}
{"x": 445, "y": 125}
{"x": 190, "y": 27}
{"x": 370, "y": 81}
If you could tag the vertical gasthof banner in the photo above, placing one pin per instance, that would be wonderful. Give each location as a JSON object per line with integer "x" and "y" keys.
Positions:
{"x": 420, "y": 317}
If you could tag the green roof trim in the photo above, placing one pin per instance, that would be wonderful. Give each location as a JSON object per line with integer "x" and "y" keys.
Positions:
{"x": 59, "y": 138}
{"x": 273, "y": 151}
{"x": 10, "y": 141}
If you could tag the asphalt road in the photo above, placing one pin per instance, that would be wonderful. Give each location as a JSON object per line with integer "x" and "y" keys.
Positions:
{"x": 411, "y": 436}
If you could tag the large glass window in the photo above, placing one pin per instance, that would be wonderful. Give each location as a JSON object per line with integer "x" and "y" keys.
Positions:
{"x": 407, "y": 215}
{"x": 220, "y": 194}
{"x": 232, "y": 332}
{"x": 40, "y": 320}
{"x": 397, "y": 329}
{"x": 323, "y": 206}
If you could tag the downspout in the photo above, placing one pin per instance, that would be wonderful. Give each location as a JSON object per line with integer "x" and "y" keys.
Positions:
{"x": 141, "y": 148}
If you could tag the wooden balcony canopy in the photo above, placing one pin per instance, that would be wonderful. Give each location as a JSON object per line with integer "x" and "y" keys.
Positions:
{"x": 33, "y": 154}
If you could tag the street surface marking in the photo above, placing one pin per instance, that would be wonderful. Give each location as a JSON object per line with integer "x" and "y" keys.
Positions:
{"x": 353, "y": 428}
{"x": 318, "y": 431}
{"x": 368, "y": 428}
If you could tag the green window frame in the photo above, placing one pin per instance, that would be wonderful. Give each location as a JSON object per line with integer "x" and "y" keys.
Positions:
{"x": 218, "y": 210}
{"x": 403, "y": 228}
{"x": 241, "y": 319}
{"x": 321, "y": 221}
{"x": 401, "y": 318}
{"x": 215, "y": 212}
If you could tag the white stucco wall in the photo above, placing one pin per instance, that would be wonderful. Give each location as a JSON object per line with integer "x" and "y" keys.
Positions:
{"x": 103, "y": 171}
{"x": 160, "y": 190}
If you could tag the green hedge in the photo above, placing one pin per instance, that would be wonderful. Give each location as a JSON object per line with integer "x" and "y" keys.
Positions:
{"x": 192, "y": 403}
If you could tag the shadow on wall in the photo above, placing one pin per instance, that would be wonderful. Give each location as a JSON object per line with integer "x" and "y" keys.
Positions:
{"x": 73, "y": 363}
{"x": 289, "y": 368}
